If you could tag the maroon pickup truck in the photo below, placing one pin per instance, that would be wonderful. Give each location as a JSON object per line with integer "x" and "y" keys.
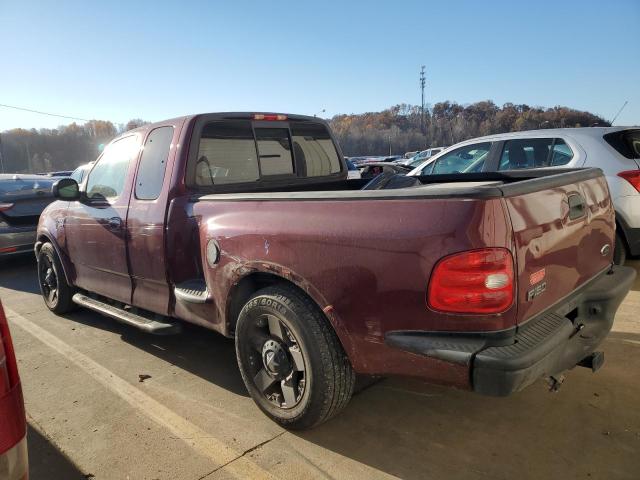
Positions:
{"x": 246, "y": 224}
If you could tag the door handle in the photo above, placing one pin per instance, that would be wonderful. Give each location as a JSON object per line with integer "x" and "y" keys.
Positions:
{"x": 115, "y": 223}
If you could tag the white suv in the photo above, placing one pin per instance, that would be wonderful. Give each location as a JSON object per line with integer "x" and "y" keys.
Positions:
{"x": 615, "y": 150}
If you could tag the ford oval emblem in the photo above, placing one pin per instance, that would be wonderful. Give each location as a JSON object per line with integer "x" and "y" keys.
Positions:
{"x": 605, "y": 250}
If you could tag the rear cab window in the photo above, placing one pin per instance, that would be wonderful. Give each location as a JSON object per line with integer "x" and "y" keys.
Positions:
{"x": 237, "y": 151}
{"x": 534, "y": 153}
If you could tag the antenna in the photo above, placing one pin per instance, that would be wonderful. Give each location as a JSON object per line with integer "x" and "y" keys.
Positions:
{"x": 619, "y": 111}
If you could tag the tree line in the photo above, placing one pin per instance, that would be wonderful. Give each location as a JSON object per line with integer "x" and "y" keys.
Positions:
{"x": 405, "y": 129}
{"x": 62, "y": 148}
{"x": 401, "y": 128}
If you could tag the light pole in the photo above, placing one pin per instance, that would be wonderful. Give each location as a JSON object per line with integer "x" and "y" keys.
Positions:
{"x": 1, "y": 155}
{"x": 422, "y": 83}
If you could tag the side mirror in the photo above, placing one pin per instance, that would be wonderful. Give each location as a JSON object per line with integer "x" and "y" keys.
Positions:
{"x": 66, "y": 189}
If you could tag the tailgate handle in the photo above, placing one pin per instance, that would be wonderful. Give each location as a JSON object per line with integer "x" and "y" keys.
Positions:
{"x": 576, "y": 206}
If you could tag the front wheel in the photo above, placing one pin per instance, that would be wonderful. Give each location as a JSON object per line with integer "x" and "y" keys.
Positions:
{"x": 291, "y": 360}
{"x": 55, "y": 290}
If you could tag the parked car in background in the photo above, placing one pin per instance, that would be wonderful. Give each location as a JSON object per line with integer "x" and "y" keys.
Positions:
{"x": 61, "y": 173}
{"x": 79, "y": 173}
{"x": 423, "y": 155}
{"x": 13, "y": 423}
{"x": 373, "y": 169}
{"x": 615, "y": 150}
{"x": 358, "y": 161}
{"x": 22, "y": 199}
{"x": 352, "y": 172}
{"x": 250, "y": 228}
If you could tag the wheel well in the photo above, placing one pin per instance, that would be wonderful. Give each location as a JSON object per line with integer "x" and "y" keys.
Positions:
{"x": 623, "y": 235}
{"x": 40, "y": 241}
{"x": 247, "y": 287}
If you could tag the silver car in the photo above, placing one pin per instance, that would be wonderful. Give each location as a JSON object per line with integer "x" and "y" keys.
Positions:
{"x": 615, "y": 150}
{"x": 22, "y": 199}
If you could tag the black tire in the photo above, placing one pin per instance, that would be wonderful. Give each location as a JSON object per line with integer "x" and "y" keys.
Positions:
{"x": 619, "y": 250}
{"x": 314, "y": 368}
{"x": 55, "y": 290}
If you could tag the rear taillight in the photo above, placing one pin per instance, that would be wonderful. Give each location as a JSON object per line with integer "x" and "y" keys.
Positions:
{"x": 473, "y": 282}
{"x": 12, "y": 416}
{"x": 633, "y": 177}
{"x": 5, "y": 206}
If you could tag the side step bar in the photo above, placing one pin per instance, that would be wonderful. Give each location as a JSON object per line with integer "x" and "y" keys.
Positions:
{"x": 192, "y": 291}
{"x": 124, "y": 316}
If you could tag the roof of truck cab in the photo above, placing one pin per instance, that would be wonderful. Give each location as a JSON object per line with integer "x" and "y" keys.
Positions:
{"x": 227, "y": 116}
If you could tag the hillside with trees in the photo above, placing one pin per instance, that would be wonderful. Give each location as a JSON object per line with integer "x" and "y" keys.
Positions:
{"x": 445, "y": 123}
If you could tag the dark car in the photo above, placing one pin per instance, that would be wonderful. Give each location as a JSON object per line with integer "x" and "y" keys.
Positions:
{"x": 23, "y": 197}
{"x": 246, "y": 224}
{"x": 371, "y": 170}
{"x": 13, "y": 424}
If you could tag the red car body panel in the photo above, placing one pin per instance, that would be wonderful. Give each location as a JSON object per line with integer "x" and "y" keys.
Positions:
{"x": 13, "y": 424}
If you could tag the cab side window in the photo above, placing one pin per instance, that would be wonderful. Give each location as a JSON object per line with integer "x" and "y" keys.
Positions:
{"x": 106, "y": 180}
{"x": 469, "y": 158}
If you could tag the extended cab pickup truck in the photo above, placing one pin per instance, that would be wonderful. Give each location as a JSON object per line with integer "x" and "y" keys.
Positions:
{"x": 246, "y": 224}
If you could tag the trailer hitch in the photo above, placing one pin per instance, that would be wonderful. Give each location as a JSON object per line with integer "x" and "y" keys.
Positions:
{"x": 593, "y": 361}
{"x": 555, "y": 382}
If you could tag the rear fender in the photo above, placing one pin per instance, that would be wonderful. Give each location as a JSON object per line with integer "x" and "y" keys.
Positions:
{"x": 289, "y": 276}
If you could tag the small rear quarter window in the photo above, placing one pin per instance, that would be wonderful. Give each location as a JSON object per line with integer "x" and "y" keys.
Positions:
{"x": 625, "y": 142}
{"x": 153, "y": 163}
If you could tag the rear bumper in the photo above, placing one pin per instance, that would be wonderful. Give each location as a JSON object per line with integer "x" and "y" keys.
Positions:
{"x": 502, "y": 363}
{"x": 16, "y": 239}
{"x": 14, "y": 464}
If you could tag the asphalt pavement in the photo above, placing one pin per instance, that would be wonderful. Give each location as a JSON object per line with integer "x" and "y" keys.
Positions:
{"x": 106, "y": 401}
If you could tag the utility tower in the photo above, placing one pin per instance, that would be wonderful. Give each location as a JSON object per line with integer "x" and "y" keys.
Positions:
{"x": 422, "y": 83}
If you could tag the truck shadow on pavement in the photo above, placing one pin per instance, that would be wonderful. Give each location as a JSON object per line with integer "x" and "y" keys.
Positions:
{"x": 45, "y": 460}
{"x": 196, "y": 350}
{"x": 19, "y": 273}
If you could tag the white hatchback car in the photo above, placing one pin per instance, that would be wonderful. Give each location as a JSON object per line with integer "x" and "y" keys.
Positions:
{"x": 615, "y": 150}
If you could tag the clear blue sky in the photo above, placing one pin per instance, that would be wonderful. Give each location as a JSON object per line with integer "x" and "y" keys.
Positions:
{"x": 154, "y": 60}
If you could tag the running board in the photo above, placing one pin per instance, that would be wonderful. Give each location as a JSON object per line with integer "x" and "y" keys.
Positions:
{"x": 146, "y": 324}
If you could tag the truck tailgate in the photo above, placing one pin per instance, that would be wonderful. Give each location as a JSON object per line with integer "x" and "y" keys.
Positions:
{"x": 564, "y": 236}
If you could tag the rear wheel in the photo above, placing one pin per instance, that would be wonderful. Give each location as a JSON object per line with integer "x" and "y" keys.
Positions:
{"x": 619, "y": 250}
{"x": 55, "y": 290}
{"x": 290, "y": 358}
